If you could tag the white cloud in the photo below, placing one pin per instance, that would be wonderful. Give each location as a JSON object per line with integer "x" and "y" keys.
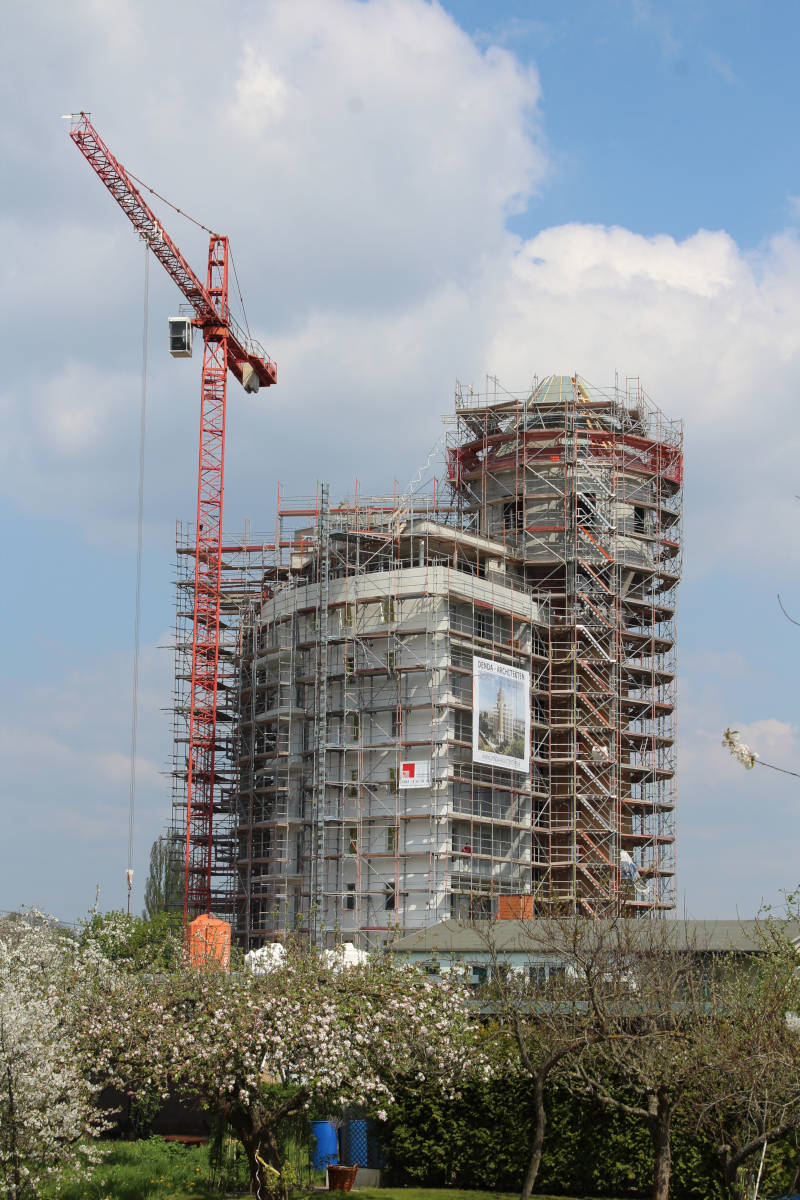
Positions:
{"x": 364, "y": 157}
{"x": 773, "y": 740}
{"x": 714, "y": 334}
{"x": 733, "y": 852}
{"x": 262, "y": 97}
{"x": 358, "y": 153}
{"x": 384, "y": 150}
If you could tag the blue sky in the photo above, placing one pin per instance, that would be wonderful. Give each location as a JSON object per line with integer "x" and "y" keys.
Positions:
{"x": 661, "y": 117}
{"x": 414, "y": 193}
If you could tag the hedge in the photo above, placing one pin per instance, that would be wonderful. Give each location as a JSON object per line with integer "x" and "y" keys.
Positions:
{"x": 480, "y": 1140}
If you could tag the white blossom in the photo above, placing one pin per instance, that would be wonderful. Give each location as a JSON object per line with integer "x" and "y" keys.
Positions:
{"x": 47, "y": 1102}
{"x": 259, "y": 1045}
{"x": 741, "y": 752}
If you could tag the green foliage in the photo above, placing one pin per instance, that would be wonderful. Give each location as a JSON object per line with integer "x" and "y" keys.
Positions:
{"x": 432, "y": 1139}
{"x": 229, "y": 1170}
{"x": 144, "y": 1107}
{"x": 295, "y": 1141}
{"x": 134, "y": 944}
{"x": 163, "y": 890}
{"x": 152, "y": 1169}
{"x": 481, "y": 1138}
{"x": 157, "y": 1170}
{"x": 276, "y": 1184}
{"x": 145, "y": 1170}
{"x": 228, "y": 1166}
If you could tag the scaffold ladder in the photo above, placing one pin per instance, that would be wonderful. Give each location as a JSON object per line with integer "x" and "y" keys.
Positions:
{"x": 321, "y": 714}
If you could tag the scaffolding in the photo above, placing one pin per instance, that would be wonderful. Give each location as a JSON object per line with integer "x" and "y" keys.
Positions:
{"x": 586, "y": 485}
{"x": 352, "y": 803}
{"x": 240, "y": 595}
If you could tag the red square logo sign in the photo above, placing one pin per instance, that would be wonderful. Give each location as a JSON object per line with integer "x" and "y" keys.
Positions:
{"x": 415, "y": 774}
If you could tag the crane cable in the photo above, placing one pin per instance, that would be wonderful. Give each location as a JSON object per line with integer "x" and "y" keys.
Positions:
{"x": 138, "y": 613}
{"x": 239, "y": 290}
{"x": 199, "y": 225}
{"x": 169, "y": 204}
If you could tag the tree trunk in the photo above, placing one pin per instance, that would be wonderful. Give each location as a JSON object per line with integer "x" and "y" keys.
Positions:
{"x": 730, "y": 1173}
{"x": 250, "y": 1146}
{"x": 257, "y": 1130}
{"x": 275, "y": 1186}
{"x": 261, "y": 1145}
{"x": 662, "y": 1147}
{"x": 731, "y": 1159}
{"x": 538, "y": 1139}
{"x": 252, "y": 1162}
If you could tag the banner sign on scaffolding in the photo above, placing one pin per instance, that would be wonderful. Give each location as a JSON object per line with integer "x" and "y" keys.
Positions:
{"x": 501, "y": 715}
{"x": 415, "y": 774}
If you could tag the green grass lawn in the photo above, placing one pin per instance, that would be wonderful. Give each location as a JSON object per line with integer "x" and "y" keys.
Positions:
{"x": 413, "y": 1193}
{"x": 409, "y": 1193}
{"x": 397, "y": 1193}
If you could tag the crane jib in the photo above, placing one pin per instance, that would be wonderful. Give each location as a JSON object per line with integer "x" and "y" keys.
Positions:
{"x": 150, "y": 229}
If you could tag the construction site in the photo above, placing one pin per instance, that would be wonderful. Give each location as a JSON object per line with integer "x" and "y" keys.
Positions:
{"x": 458, "y": 702}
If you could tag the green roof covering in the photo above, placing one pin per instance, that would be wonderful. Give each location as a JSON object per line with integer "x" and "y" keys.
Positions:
{"x": 515, "y": 937}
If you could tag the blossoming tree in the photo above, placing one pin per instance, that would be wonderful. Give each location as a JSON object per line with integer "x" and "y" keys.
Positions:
{"x": 48, "y": 1111}
{"x": 259, "y": 1049}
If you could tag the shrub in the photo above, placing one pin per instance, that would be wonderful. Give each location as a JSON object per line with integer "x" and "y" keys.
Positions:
{"x": 480, "y": 1140}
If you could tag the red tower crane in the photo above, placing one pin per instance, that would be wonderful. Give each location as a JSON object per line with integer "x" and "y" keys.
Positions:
{"x": 225, "y": 348}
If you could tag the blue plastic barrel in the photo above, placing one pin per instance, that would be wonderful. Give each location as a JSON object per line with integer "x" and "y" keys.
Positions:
{"x": 355, "y": 1147}
{"x": 326, "y": 1152}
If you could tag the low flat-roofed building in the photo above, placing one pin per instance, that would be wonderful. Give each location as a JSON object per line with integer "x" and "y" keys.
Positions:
{"x": 522, "y": 945}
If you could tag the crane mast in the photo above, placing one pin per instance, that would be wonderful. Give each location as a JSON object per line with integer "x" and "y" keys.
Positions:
{"x": 225, "y": 348}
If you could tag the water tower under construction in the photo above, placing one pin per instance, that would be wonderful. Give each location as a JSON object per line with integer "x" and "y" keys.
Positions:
{"x": 459, "y": 702}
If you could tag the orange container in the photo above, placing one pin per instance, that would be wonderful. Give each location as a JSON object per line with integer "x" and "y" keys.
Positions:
{"x": 515, "y": 908}
{"x": 209, "y": 943}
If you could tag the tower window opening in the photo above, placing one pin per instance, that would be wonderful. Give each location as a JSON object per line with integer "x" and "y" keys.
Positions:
{"x": 513, "y": 518}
